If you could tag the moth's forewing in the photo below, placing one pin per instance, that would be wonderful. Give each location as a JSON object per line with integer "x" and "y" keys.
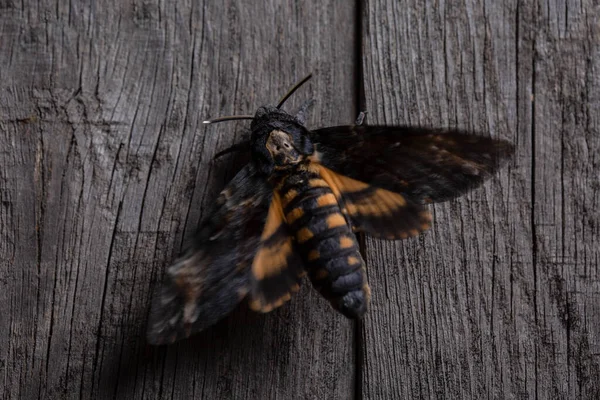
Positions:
{"x": 424, "y": 165}
{"x": 213, "y": 274}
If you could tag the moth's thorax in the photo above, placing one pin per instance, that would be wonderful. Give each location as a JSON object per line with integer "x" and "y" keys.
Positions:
{"x": 284, "y": 153}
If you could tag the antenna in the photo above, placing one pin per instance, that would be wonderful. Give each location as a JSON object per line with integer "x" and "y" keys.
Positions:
{"x": 228, "y": 118}
{"x": 292, "y": 90}
{"x": 283, "y": 99}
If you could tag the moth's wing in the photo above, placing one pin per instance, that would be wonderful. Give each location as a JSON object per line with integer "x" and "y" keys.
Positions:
{"x": 425, "y": 165}
{"x": 216, "y": 272}
{"x": 377, "y": 211}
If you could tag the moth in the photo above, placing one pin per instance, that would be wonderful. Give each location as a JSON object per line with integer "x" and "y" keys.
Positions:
{"x": 293, "y": 210}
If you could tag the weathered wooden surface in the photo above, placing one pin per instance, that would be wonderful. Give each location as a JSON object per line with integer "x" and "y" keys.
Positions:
{"x": 501, "y": 298}
{"x": 105, "y": 168}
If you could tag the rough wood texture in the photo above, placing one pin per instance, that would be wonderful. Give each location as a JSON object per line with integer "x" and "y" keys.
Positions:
{"x": 105, "y": 169}
{"x": 501, "y": 298}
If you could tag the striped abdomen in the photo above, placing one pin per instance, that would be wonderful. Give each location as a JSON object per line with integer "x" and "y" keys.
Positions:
{"x": 326, "y": 242}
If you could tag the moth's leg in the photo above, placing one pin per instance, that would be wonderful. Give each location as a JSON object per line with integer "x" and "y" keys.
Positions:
{"x": 361, "y": 118}
{"x": 303, "y": 110}
{"x": 243, "y": 146}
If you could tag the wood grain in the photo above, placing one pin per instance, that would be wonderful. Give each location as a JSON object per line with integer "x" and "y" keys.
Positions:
{"x": 105, "y": 170}
{"x": 500, "y": 298}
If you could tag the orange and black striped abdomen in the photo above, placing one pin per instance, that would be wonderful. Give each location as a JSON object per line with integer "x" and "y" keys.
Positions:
{"x": 325, "y": 241}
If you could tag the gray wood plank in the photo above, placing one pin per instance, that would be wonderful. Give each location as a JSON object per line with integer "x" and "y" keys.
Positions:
{"x": 500, "y": 298}
{"x": 105, "y": 169}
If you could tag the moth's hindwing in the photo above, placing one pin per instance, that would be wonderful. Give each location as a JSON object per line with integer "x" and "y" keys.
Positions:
{"x": 379, "y": 212}
{"x": 277, "y": 268}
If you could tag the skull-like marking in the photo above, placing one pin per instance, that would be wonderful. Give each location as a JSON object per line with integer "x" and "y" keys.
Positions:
{"x": 281, "y": 146}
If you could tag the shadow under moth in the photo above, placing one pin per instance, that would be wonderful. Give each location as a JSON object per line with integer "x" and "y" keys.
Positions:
{"x": 294, "y": 208}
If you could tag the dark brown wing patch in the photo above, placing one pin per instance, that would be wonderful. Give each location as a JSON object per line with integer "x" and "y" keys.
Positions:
{"x": 425, "y": 165}
{"x": 213, "y": 275}
{"x": 377, "y": 211}
{"x": 277, "y": 268}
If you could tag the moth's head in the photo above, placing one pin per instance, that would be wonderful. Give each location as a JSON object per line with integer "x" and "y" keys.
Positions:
{"x": 279, "y": 140}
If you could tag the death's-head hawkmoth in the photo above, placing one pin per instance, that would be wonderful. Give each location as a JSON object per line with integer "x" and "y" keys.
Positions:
{"x": 294, "y": 208}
